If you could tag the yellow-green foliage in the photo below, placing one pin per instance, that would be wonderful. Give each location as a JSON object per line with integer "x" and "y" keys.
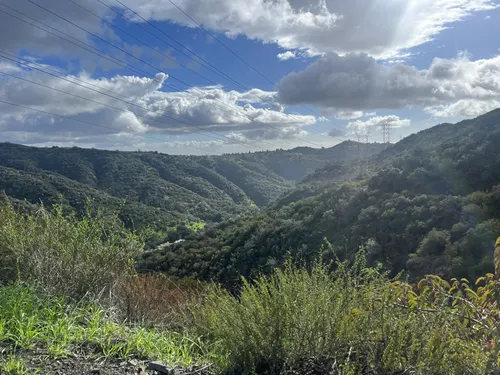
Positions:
{"x": 354, "y": 319}
{"x": 196, "y": 226}
{"x": 29, "y": 319}
{"x": 64, "y": 254}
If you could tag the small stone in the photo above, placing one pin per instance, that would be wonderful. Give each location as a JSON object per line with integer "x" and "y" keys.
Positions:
{"x": 95, "y": 371}
{"x": 133, "y": 363}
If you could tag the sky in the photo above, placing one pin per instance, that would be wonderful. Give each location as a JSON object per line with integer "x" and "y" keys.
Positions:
{"x": 223, "y": 76}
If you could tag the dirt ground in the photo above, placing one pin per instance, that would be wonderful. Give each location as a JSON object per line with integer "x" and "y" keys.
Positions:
{"x": 39, "y": 363}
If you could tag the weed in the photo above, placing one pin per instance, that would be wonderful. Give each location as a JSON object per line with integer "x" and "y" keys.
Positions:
{"x": 30, "y": 319}
{"x": 15, "y": 366}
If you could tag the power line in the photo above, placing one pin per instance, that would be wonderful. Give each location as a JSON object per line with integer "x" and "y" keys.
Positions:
{"x": 210, "y": 67}
{"x": 129, "y": 67}
{"x": 155, "y": 49}
{"x": 123, "y": 110}
{"x": 86, "y": 84}
{"x": 206, "y": 64}
{"x": 159, "y": 70}
{"x": 199, "y": 60}
{"x": 98, "y": 53}
{"x": 221, "y": 43}
{"x": 134, "y": 69}
{"x": 230, "y": 50}
{"x": 30, "y": 63}
{"x": 78, "y": 43}
{"x": 104, "y": 40}
{"x": 143, "y": 43}
{"x": 77, "y": 120}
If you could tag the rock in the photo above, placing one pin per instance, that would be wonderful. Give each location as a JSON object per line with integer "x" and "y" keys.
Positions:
{"x": 133, "y": 363}
{"x": 95, "y": 371}
{"x": 160, "y": 367}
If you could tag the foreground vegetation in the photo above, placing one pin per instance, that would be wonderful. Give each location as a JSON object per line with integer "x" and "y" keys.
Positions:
{"x": 354, "y": 320}
{"x": 334, "y": 317}
{"x": 70, "y": 290}
{"x": 30, "y": 319}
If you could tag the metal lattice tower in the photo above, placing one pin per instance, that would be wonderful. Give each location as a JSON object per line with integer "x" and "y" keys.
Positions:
{"x": 367, "y": 135}
{"x": 386, "y": 132}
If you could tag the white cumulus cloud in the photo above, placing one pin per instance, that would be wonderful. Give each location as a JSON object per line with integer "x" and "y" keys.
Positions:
{"x": 286, "y": 55}
{"x": 144, "y": 109}
{"x": 382, "y": 28}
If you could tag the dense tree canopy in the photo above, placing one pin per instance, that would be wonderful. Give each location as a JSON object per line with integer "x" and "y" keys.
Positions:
{"x": 158, "y": 189}
{"x": 429, "y": 204}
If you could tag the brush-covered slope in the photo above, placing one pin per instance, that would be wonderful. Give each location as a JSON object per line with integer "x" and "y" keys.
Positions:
{"x": 159, "y": 188}
{"x": 428, "y": 204}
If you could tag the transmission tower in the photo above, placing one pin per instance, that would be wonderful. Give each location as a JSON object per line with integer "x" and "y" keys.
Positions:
{"x": 386, "y": 132}
{"x": 367, "y": 135}
{"x": 361, "y": 135}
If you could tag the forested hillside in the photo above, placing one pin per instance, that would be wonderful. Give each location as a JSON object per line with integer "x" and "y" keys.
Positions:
{"x": 160, "y": 189}
{"x": 428, "y": 204}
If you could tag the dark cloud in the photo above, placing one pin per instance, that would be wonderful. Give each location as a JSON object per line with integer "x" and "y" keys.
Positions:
{"x": 336, "y": 133}
{"x": 357, "y": 82}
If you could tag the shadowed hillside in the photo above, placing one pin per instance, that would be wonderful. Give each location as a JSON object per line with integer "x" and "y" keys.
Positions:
{"x": 159, "y": 188}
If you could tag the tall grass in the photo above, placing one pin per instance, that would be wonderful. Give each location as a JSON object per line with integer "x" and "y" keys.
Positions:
{"x": 351, "y": 321}
{"x": 64, "y": 254}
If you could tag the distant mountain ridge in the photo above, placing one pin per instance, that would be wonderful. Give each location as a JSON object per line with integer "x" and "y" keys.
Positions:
{"x": 159, "y": 187}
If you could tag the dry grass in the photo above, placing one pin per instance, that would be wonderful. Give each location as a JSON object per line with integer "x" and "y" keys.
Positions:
{"x": 157, "y": 300}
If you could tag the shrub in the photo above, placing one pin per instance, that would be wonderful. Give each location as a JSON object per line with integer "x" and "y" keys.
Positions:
{"x": 351, "y": 321}
{"x": 64, "y": 254}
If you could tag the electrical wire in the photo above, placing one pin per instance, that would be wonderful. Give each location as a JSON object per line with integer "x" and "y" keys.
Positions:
{"x": 199, "y": 57}
{"x": 160, "y": 70}
{"x": 230, "y": 50}
{"x": 123, "y": 110}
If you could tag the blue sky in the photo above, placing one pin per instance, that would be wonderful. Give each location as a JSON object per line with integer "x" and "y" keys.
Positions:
{"x": 333, "y": 70}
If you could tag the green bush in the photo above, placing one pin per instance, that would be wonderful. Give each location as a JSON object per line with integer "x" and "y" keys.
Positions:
{"x": 352, "y": 320}
{"x": 64, "y": 254}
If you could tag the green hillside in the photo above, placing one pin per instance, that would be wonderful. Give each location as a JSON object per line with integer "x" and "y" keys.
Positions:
{"x": 428, "y": 204}
{"x": 160, "y": 189}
